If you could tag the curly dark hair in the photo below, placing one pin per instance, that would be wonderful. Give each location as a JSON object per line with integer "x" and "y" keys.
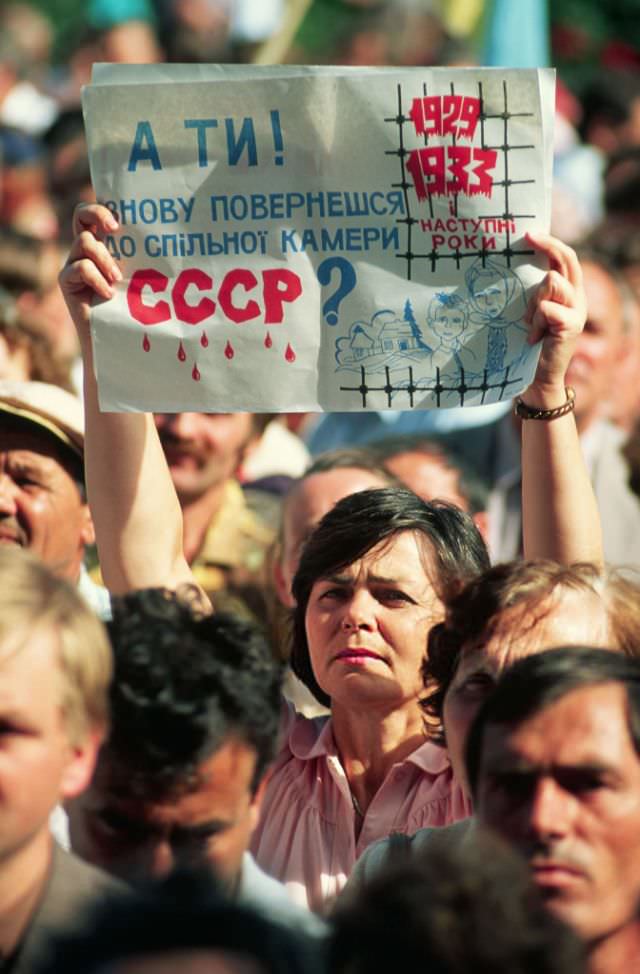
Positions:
{"x": 358, "y": 523}
{"x": 184, "y": 681}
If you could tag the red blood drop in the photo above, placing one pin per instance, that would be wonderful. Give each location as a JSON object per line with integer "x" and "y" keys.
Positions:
{"x": 268, "y": 341}
{"x": 146, "y": 344}
{"x": 204, "y": 341}
{"x": 228, "y": 351}
{"x": 181, "y": 353}
{"x": 195, "y": 374}
{"x": 289, "y": 354}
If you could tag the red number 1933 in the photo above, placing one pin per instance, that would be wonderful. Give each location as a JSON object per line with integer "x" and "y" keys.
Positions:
{"x": 447, "y": 170}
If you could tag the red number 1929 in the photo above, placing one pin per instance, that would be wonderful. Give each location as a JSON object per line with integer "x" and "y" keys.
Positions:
{"x": 455, "y": 115}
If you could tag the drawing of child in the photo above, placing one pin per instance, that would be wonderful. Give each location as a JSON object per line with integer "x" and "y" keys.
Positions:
{"x": 447, "y": 318}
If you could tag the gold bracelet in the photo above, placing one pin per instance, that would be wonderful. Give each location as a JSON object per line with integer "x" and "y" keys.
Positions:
{"x": 524, "y": 411}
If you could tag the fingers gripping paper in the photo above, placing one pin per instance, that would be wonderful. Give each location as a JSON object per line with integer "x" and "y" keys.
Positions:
{"x": 304, "y": 239}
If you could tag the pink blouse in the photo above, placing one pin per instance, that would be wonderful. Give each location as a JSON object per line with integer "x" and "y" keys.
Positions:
{"x": 306, "y": 833}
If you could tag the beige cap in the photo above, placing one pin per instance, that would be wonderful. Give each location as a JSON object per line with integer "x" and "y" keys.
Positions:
{"x": 53, "y": 409}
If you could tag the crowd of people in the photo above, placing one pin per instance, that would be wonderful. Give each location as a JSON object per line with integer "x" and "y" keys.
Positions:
{"x": 309, "y": 693}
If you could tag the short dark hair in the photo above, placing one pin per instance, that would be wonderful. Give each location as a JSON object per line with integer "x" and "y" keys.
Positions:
{"x": 363, "y": 520}
{"x": 536, "y": 682}
{"x": 184, "y": 682}
{"x": 474, "y": 490}
{"x": 452, "y": 908}
{"x": 184, "y": 911}
{"x": 476, "y": 614}
{"x": 356, "y": 458}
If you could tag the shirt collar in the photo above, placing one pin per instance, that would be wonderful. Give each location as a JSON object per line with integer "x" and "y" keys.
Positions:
{"x": 306, "y": 744}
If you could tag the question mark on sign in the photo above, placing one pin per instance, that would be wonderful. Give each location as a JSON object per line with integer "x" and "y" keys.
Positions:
{"x": 346, "y": 286}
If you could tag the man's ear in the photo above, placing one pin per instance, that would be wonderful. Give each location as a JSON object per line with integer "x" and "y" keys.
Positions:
{"x": 80, "y": 765}
{"x": 256, "y": 800}
{"x": 481, "y": 521}
{"x": 283, "y": 590}
{"x": 87, "y": 530}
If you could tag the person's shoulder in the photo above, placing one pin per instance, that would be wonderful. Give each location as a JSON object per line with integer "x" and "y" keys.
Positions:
{"x": 95, "y": 594}
{"x": 72, "y": 888}
{"x": 73, "y": 879}
{"x": 236, "y": 537}
{"x": 396, "y": 846}
{"x": 263, "y": 892}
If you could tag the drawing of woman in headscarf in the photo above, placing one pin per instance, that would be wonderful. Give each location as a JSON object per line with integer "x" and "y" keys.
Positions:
{"x": 498, "y": 304}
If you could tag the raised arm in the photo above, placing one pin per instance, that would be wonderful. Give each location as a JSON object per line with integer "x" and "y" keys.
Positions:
{"x": 137, "y": 517}
{"x": 559, "y": 511}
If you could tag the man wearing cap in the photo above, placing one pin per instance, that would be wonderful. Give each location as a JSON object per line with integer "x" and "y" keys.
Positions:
{"x": 42, "y": 500}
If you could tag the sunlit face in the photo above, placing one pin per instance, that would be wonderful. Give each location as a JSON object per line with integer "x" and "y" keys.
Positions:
{"x": 39, "y": 766}
{"x": 449, "y": 322}
{"x": 203, "y": 450}
{"x": 210, "y": 824}
{"x": 573, "y": 619}
{"x": 367, "y": 625}
{"x": 428, "y": 476}
{"x": 304, "y": 509}
{"x": 490, "y": 295}
{"x": 40, "y": 504}
{"x": 601, "y": 346}
{"x": 563, "y": 788}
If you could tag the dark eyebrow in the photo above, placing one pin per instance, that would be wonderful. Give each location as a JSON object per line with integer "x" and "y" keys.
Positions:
{"x": 200, "y": 831}
{"x": 25, "y": 463}
{"x": 514, "y": 764}
{"x": 376, "y": 579}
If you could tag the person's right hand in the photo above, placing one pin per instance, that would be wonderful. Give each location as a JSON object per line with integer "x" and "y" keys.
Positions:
{"x": 90, "y": 269}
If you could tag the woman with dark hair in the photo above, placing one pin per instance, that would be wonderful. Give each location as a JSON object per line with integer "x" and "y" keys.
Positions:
{"x": 369, "y": 587}
{"x": 368, "y": 590}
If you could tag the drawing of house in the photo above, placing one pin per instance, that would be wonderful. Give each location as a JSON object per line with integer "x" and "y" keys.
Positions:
{"x": 361, "y": 344}
{"x": 392, "y": 337}
{"x": 397, "y": 336}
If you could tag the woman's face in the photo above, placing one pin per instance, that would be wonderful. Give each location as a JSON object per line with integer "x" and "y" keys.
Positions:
{"x": 490, "y": 295}
{"x": 367, "y": 625}
{"x": 571, "y": 619}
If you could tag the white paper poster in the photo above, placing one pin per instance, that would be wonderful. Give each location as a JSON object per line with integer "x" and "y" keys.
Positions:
{"x": 329, "y": 238}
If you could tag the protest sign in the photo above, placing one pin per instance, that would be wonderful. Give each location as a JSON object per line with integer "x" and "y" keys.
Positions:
{"x": 326, "y": 238}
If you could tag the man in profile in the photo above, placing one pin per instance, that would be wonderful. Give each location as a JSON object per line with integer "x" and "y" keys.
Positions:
{"x": 554, "y": 765}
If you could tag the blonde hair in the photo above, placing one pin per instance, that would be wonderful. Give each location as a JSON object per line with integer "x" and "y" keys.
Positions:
{"x": 32, "y": 599}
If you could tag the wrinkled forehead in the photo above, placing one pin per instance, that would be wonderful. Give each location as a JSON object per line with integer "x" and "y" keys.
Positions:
{"x": 429, "y": 475}
{"x": 406, "y": 556}
{"x": 566, "y": 618}
{"x": 586, "y": 726}
{"x": 31, "y": 443}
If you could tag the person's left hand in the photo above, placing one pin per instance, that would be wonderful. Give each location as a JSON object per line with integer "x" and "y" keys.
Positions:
{"x": 556, "y": 315}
